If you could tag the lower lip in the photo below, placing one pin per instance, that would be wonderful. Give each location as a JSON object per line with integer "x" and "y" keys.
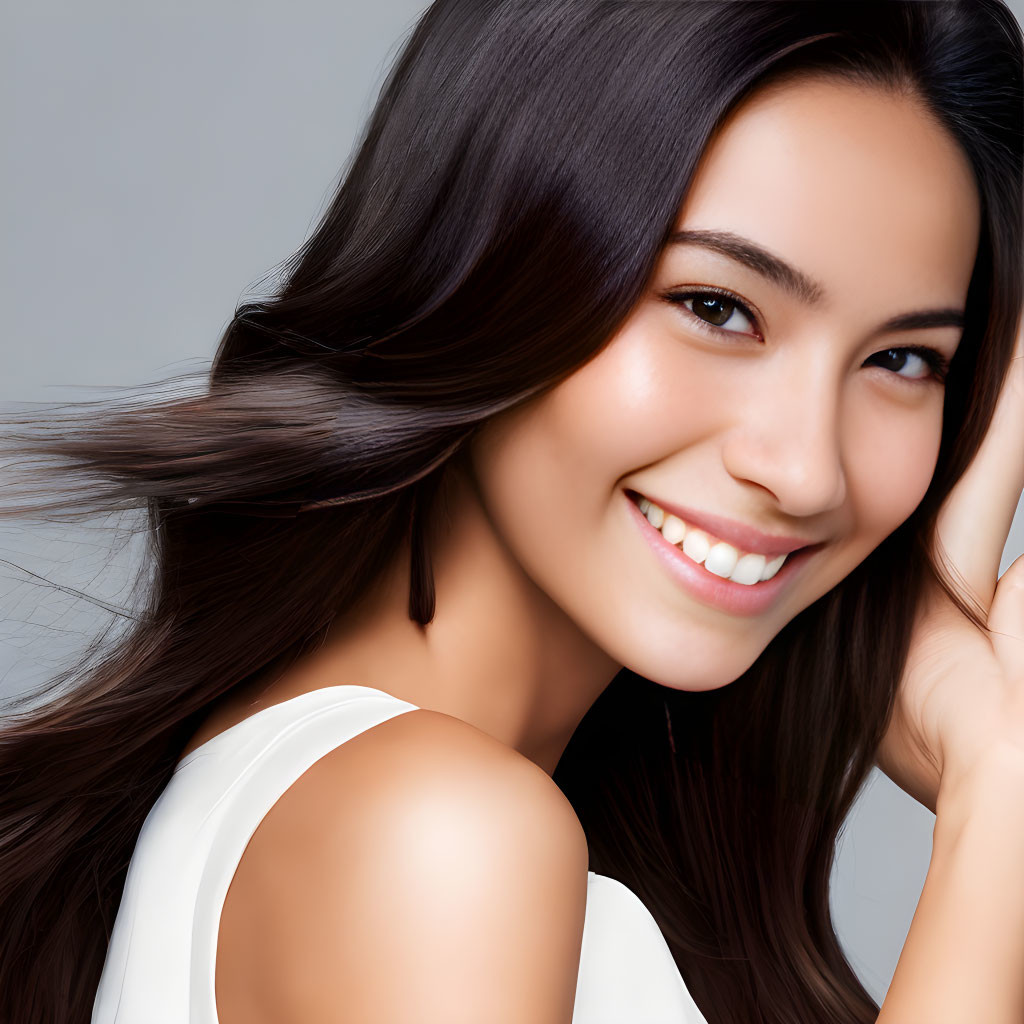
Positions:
{"x": 728, "y": 595}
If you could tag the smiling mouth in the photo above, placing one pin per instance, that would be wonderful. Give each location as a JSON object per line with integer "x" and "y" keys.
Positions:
{"x": 717, "y": 556}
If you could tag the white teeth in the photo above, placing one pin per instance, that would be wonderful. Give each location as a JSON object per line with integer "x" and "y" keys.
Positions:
{"x": 749, "y": 569}
{"x": 673, "y": 529}
{"x": 696, "y": 545}
{"x": 718, "y": 557}
{"x": 721, "y": 559}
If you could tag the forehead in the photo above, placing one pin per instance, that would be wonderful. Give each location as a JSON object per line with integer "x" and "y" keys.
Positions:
{"x": 843, "y": 178}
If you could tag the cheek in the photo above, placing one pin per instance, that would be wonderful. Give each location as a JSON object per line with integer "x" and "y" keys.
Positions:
{"x": 638, "y": 399}
{"x": 890, "y": 468}
{"x": 549, "y": 472}
{"x": 602, "y": 422}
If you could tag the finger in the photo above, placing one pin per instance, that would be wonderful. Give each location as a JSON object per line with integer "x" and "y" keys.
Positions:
{"x": 1006, "y": 620}
{"x": 975, "y": 519}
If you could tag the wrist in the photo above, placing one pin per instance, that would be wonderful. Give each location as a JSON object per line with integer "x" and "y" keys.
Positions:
{"x": 991, "y": 786}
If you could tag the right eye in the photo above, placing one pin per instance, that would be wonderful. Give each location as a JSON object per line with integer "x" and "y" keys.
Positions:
{"x": 711, "y": 310}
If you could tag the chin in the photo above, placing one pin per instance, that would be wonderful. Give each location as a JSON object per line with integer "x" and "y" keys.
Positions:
{"x": 709, "y": 668}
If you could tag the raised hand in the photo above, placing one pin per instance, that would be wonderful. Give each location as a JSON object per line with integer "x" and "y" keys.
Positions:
{"x": 961, "y": 698}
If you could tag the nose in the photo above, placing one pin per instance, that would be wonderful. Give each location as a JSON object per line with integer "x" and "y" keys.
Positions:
{"x": 787, "y": 439}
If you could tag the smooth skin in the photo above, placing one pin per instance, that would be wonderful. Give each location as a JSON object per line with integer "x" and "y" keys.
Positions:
{"x": 429, "y": 870}
{"x": 422, "y": 871}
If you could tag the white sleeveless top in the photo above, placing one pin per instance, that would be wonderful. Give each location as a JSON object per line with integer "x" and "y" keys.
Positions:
{"x": 161, "y": 959}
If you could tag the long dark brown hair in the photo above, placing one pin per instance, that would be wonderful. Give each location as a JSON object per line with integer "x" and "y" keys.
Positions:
{"x": 497, "y": 223}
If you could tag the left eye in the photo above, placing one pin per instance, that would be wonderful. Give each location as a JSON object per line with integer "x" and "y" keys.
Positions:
{"x": 934, "y": 364}
{"x": 714, "y": 311}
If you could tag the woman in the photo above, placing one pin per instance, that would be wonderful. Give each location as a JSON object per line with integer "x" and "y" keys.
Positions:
{"x": 621, "y": 470}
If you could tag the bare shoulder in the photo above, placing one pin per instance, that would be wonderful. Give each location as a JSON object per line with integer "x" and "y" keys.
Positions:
{"x": 422, "y": 871}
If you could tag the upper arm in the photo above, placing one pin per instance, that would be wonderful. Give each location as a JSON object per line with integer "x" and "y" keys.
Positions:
{"x": 421, "y": 872}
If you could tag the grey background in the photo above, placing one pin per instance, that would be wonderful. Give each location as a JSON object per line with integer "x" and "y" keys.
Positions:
{"x": 158, "y": 161}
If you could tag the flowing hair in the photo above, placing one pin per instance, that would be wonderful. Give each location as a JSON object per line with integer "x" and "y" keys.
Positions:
{"x": 501, "y": 216}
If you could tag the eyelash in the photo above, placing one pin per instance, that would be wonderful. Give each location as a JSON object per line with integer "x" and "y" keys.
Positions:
{"x": 936, "y": 361}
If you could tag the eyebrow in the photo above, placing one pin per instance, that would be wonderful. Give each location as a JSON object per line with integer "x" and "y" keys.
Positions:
{"x": 796, "y": 282}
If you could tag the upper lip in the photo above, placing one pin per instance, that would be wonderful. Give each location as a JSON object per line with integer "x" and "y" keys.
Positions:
{"x": 740, "y": 535}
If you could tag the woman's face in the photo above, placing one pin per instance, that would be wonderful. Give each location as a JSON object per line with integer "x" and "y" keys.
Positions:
{"x": 803, "y": 415}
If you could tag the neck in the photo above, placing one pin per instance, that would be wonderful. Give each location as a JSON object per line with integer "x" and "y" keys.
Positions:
{"x": 498, "y": 654}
